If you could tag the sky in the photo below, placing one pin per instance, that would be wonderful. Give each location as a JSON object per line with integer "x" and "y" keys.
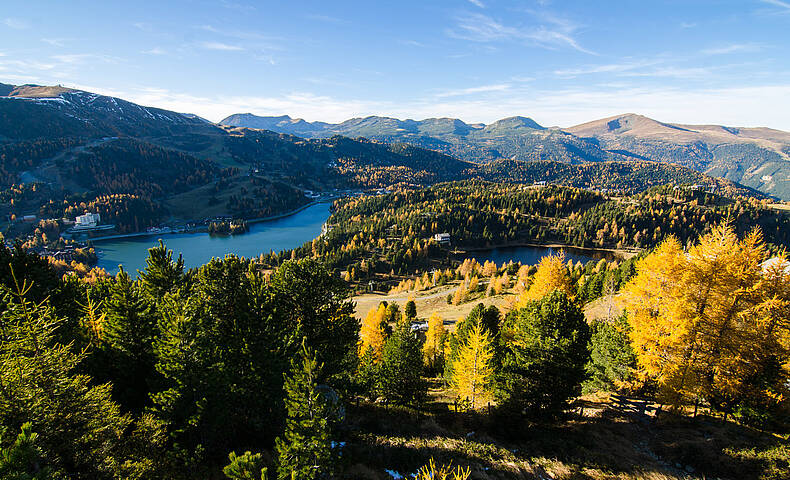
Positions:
{"x": 559, "y": 62}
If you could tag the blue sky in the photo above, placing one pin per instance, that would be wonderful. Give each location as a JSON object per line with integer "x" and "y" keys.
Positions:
{"x": 559, "y": 62}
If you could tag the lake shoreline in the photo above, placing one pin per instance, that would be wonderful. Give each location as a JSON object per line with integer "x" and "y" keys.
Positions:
{"x": 202, "y": 229}
{"x": 623, "y": 254}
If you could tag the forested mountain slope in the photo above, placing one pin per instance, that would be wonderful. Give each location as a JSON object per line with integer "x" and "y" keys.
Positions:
{"x": 756, "y": 157}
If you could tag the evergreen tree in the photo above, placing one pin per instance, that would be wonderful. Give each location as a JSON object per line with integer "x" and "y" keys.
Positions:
{"x": 401, "y": 368}
{"x": 248, "y": 466}
{"x": 612, "y": 359}
{"x": 305, "y": 449}
{"x": 544, "y": 353}
{"x": 128, "y": 332}
{"x": 313, "y": 300}
{"x": 162, "y": 274}
{"x": 23, "y": 459}
{"x": 81, "y": 430}
{"x": 410, "y": 310}
{"x": 222, "y": 353}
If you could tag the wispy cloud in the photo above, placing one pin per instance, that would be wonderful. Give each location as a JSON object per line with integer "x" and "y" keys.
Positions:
{"x": 155, "y": 51}
{"x": 82, "y": 58}
{"x": 606, "y": 68}
{"x": 477, "y": 3}
{"x": 552, "y": 33}
{"x": 473, "y": 90}
{"x": 411, "y": 43}
{"x": 733, "y": 48}
{"x": 55, "y": 42}
{"x": 16, "y": 23}
{"x": 671, "y": 72}
{"x": 687, "y": 24}
{"x": 242, "y": 7}
{"x": 779, "y": 3}
{"x": 144, "y": 26}
{"x": 223, "y": 47}
{"x": 328, "y": 19}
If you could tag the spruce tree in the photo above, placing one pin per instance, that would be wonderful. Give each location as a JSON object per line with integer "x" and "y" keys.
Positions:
{"x": 305, "y": 448}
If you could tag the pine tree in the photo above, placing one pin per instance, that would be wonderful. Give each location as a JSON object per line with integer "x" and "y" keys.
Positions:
{"x": 612, "y": 359}
{"x": 162, "y": 274}
{"x": 401, "y": 367}
{"x": 247, "y": 466}
{"x": 410, "y": 310}
{"x": 80, "y": 429}
{"x": 473, "y": 371}
{"x": 23, "y": 459}
{"x": 305, "y": 449}
{"x": 545, "y": 350}
{"x": 129, "y": 329}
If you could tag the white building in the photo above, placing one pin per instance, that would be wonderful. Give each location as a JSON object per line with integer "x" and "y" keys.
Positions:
{"x": 442, "y": 238}
{"x": 88, "y": 220}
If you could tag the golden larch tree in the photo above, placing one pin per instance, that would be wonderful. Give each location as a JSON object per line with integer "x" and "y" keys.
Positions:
{"x": 371, "y": 333}
{"x": 473, "y": 370}
{"x": 551, "y": 275}
{"x": 433, "y": 348}
{"x": 710, "y": 322}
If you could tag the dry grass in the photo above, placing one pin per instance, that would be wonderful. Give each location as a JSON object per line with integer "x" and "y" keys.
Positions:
{"x": 431, "y": 301}
{"x": 604, "y": 444}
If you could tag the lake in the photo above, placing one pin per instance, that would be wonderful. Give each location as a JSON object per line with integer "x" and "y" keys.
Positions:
{"x": 532, "y": 255}
{"x": 277, "y": 235}
{"x": 199, "y": 248}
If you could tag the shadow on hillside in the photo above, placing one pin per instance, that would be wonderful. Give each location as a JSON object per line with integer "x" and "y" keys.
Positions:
{"x": 610, "y": 444}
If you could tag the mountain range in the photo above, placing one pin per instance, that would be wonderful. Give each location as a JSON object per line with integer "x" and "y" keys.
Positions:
{"x": 65, "y": 151}
{"x": 755, "y": 157}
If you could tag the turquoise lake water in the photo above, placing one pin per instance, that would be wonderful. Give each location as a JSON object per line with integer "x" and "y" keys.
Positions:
{"x": 276, "y": 235}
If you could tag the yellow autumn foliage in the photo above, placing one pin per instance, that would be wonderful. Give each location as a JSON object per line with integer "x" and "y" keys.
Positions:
{"x": 708, "y": 322}
{"x": 551, "y": 275}
{"x": 433, "y": 348}
{"x": 371, "y": 333}
{"x": 473, "y": 371}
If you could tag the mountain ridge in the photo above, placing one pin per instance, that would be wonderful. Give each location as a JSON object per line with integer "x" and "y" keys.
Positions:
{"x": 758, "y": 157}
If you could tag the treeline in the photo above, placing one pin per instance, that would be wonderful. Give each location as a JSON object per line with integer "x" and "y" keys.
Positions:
{"x": 627, "y": 177}
{"x": 341, "y": 162}
{"x": 129, "y": 213}
{"x": 644, "y": 220}
{"x": 393, "y": 233}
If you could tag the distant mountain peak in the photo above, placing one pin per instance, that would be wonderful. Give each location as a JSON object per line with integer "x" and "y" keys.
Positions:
{"x": 516, "y": 122}
{"x": 30, "y": 90}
